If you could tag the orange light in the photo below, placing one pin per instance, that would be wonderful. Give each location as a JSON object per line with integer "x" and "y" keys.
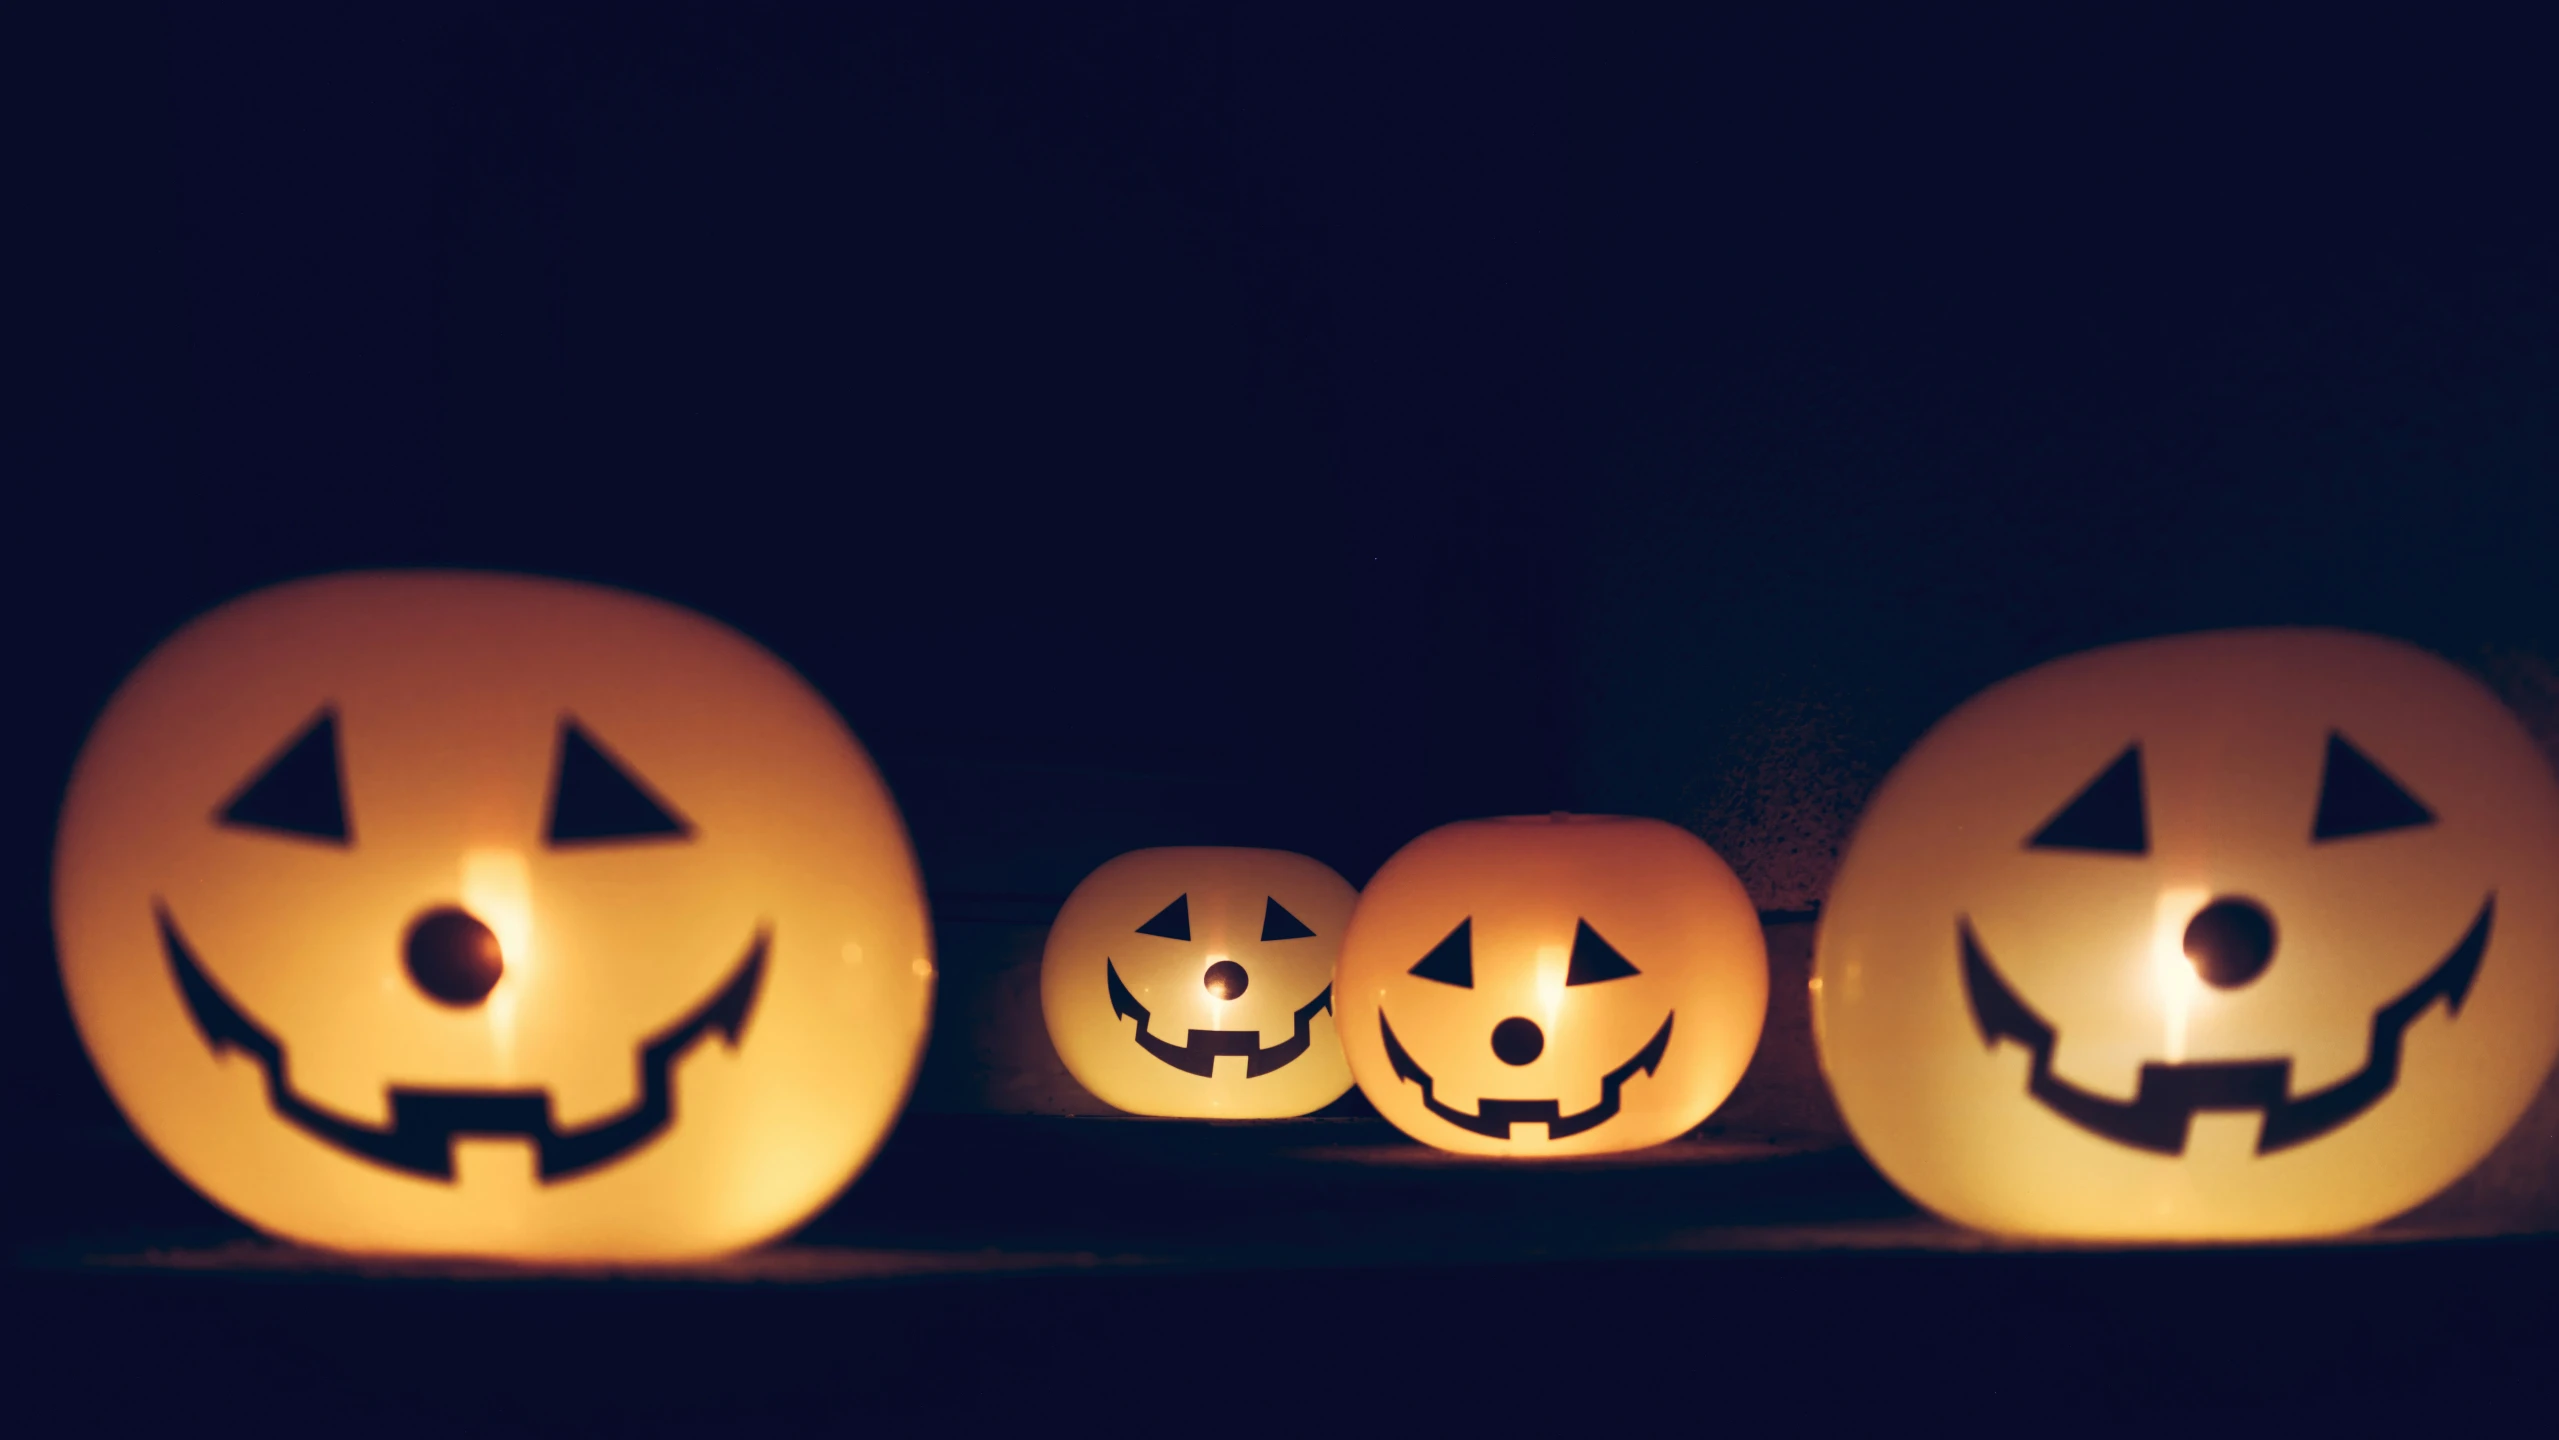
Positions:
{"x": 473, "y": 914}
{"x": 2225, "y": 936}
{"x": 1198, "y": 982}
{"x": 1552, "y": 985}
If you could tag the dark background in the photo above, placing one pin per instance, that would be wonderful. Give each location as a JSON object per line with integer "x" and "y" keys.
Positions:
{"x": 1287, "y": 425}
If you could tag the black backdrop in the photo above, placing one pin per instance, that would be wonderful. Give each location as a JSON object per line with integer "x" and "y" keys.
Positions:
{"x": 1277, "y": 424}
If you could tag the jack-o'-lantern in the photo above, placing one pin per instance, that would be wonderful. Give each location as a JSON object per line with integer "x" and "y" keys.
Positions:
{"x": 2230, "y": 935}
{"x": 1551, "y": 985}
{"x": 1199, "y": 981}
{"x": 470, "y": 914}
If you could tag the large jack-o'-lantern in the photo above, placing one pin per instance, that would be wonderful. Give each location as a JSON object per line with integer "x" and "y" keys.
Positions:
{"x": 1552, "y": 985}
{"x": 2245, "y": 934}
{"x": 1199, "y": 981}
{"x": 471, "y": 914}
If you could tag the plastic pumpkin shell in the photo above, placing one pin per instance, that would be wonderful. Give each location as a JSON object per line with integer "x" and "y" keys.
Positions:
{"x": 478, "y": 914}
{"x": 1552, "y": 985}
{"x": 2232, "y": 935}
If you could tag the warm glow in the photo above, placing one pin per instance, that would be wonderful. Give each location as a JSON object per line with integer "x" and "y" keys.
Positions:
{"x": 1171, "y": 973}
{"x": 463, "y": 850}
{"x": 1604, "y": 971}
{"x": 497, "y": 887}
{"x": 2171, "y": 970}
{"x": 2363, "y": 845}
{"x": 1552, "y": 961}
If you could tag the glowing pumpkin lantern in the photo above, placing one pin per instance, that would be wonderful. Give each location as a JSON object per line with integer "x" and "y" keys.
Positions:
{"x": 472, "y": 914}
{"x": 1552, "y": 985}
{"x": 1199, "y": 981}
{"x": 2244, "y": 934}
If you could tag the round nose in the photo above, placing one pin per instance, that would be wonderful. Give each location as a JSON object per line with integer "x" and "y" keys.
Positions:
{"x": 453, "y": 957}
{"x": 2230, "y": 942}
{"x": 1517, "y": 1041}
{"x": 1226, "y": 980}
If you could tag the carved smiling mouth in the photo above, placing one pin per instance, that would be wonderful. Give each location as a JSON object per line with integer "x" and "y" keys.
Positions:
{"x": 2163, "y": 1109}
{"x": 425, "y": 1121}
{"x": 1199, "y": 1057}
{"x": 1494, "y": 1118}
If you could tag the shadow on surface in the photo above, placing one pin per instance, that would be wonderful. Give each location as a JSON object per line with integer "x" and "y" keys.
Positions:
{"x": 1037, "y": 1267}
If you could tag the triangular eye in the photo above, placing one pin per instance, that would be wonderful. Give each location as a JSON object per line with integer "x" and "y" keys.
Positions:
{"x": 2107, "y": 816}
{"x": 1595, "y": 959}
{"x": 1452, "y": 961}
{"x": 1278, "y": 924}
{"x": 299, "y": 792}
{"x": 2356, "y": 797}
{"x": 1173, "y": 922}
{"x": 596, "y": 799}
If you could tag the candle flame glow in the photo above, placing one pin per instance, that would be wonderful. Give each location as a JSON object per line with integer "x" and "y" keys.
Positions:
{"x": 497, "y": 888}
{"x": 1553, "y": 963}
{"x": 2174, "y": 974}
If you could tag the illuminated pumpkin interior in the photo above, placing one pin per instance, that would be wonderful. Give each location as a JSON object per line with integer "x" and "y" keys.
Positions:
{"x": 463, "y": 914}
{"x": 1199, "y": 981}
{"x": 2231, "y": 935}
{"x": 1552, "y": 985}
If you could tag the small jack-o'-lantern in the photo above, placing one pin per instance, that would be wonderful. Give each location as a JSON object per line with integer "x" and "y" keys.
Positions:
{"x": 474, "y": 914}
{"x": 2245, "y": 934}
{"x": 1199, "y": 981}
{"x": 1552, "y": 985}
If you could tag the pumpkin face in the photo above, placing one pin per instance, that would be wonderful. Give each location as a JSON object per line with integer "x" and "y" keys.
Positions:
{"x": 1199, "y": 981}
{"x": 1552, "y": 985}
{"x": 2229, "y": 935}
{"x": 451, "y": 913}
